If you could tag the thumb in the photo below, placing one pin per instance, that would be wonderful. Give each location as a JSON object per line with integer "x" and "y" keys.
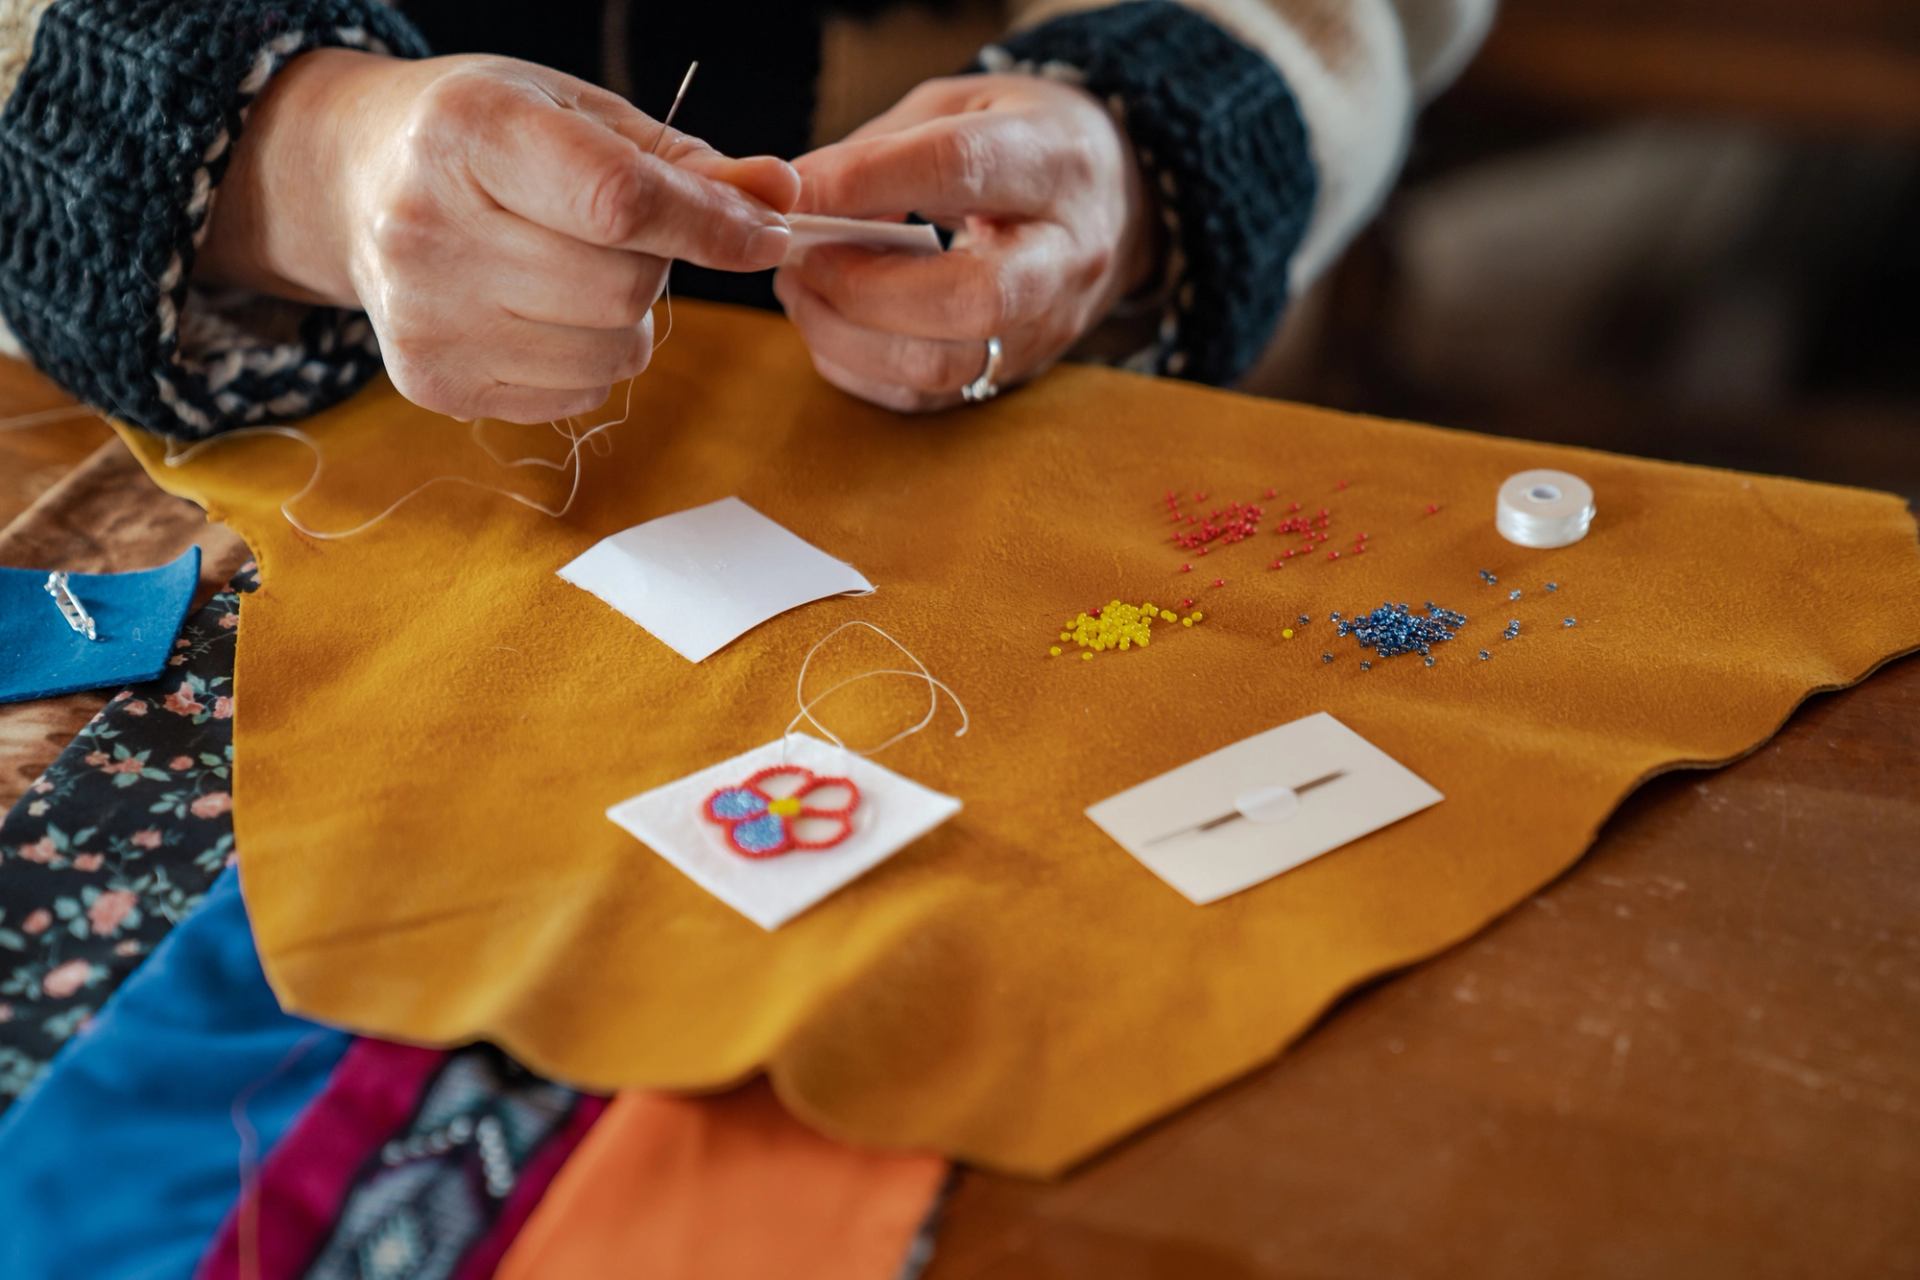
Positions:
{"x": 769, "y": 180}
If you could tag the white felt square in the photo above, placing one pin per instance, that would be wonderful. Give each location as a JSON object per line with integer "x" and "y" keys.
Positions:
{"x": 699, "y": 579}
{"x": 893, "y": 812}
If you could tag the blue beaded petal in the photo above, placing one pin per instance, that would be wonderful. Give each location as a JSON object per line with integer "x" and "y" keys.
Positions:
{"x": 758, "y": 835}
{"x": 738, "y": 802}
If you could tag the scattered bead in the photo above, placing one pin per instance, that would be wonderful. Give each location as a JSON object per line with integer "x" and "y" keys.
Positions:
{"x": 1553, "y": 586}
{"x": 1198, "y": 616}
{"x": 1333, "y": 555}
{"x": 1086, "y": 657}
{"x": 1567, "y": 622}
{"x": 1186, "y": 568}
{"x": 1219, "y": 582}
{"x": 1186, "y": 622}
{"x": 1433, "y": 508}
{"x": 1428, "y": 659}
{"x": 1054, "y": 652}
{"x": 1488, "y": 578}
{"x": 1485, "y": 656}
{"x": 1514, "y": 594}
{"x": 1365, "y": 665}
{"x": 1305, "y": 619}
{"x": 1186, "y": 604}
{"x": 1326, "y": 657}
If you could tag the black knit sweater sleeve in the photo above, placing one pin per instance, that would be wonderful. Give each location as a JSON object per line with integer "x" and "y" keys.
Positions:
{"x": 112, "y": 145}
{"x": 1223, "y": 144}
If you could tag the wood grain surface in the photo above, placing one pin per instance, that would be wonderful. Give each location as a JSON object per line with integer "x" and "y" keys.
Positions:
{"x": 1696, "y": 1054}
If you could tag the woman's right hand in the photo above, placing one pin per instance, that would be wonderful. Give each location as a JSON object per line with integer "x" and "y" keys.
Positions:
{"x": 506, "y": 227}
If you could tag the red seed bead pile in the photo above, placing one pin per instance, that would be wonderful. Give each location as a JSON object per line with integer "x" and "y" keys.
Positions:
{"x": 1238, "y": 521}
{"x": 1228, "y": 524}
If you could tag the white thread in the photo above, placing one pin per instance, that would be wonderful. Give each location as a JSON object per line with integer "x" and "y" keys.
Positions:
{"x": 1543, "y": 509}
{"x": 935, "y": 687}
{"x": 26, "y": 420}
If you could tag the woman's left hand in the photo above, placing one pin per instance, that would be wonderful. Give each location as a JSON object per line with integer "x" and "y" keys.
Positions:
{"x": 1054, "y": 228}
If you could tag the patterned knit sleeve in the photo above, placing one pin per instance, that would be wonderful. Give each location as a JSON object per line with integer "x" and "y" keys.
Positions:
{"x": 1271, "y": 131}
{"x": 117, "y": 120}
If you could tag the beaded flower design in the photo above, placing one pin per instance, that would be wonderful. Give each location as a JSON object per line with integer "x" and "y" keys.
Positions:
{"x": 784, "y": 808}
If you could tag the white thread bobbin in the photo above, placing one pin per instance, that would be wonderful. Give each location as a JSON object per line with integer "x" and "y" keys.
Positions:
{"x": 1544, "y": 509}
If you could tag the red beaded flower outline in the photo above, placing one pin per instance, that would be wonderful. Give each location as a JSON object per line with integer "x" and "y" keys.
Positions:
{"x": 765, "y": 817}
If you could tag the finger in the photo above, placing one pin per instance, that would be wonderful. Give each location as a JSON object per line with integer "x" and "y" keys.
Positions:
{"x": 548, "y": 278}
{"x": 505, "y": 403}
{"x": 566, "y": 171}
{"x": 928, "y": 100}
{"x": 892, "y": 359}
{"x": 971, "y": 293}
{"x": 557, "y": 358}
{"x": 768, "y": 179}
{"x": 886, "y": 395}
{"x": 992, "y": 164}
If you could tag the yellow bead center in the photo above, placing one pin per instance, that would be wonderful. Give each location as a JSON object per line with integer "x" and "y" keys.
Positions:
{"x": 785, "y": 806}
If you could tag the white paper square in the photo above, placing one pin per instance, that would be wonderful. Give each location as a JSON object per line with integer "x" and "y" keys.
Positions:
{"x": 811, "y": 230}
{"x": 700, "y": 579}
{"x": 1157, "y": 821}
{"x": 893, "y": 812}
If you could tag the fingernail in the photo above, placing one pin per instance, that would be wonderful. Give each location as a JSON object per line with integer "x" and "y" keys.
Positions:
{"x": 767, "y": 247}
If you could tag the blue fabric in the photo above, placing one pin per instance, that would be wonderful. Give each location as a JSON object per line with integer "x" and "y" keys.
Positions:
{"x": 122, "y": 1161}
{"x": 136, "y": 616}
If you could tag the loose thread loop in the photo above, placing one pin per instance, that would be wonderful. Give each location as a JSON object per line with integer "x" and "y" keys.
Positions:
{"x": 935, "y": 687}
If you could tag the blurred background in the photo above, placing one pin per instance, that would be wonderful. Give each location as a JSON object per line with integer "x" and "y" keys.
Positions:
{"x": 1685, "y": 229}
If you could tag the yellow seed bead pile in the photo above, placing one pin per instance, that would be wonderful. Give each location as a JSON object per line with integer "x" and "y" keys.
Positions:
{"x": 1119, "y": 627}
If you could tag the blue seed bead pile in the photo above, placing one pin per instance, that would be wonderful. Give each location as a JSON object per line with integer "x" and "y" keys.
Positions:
{"x": 1394, "y": 629}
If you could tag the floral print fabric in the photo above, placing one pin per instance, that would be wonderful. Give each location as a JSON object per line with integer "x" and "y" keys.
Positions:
{"x": 116, "y": 842}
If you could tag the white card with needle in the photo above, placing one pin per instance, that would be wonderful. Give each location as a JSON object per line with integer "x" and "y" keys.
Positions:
{"x": 1264, "y": 805}
{"x": 776, "y": 829}
{"x": 700, "y": 579}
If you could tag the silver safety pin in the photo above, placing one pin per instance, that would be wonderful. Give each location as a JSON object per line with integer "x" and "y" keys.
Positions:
{"x": 70, "y": 607}
{"x": 1262, "y": 804}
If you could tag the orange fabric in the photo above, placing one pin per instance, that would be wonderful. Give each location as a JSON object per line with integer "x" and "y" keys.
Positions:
{"x": 719, "y": 1188}
{"x": 432, "y": 725}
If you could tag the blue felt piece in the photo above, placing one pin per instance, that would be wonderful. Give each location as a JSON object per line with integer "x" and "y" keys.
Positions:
{"x": 737, "y": 802}
{"x": 136, "y": 616}
{"x": 123, "y": 1160}
{"x": 757, "y": 835}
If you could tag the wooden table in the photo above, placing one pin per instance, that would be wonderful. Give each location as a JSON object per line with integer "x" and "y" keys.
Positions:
{"x": 1697, "y": 1054}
